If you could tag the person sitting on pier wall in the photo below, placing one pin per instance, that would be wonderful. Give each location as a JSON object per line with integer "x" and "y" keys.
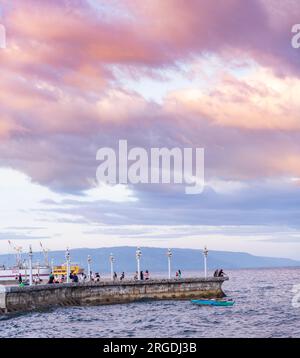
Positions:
{"x": 115, "y": 277}
{"x": 216, "y": 273}
{"x": 136, "y": 276}
{"x": 37, "y": 279}
{"x": 97, "y": 277}
{"x": 122, "y": 276}
{"x": 51, "y": 278}
{"x": 178, "y": 274}
{"x": 82, "y": 277}
{"x": 146, "y": 275}
{"x": 221, "y": 273}
{"x": 75, "y": 278}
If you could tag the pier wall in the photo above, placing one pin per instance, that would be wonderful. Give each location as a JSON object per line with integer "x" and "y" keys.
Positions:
{"x": 17, "y": 299}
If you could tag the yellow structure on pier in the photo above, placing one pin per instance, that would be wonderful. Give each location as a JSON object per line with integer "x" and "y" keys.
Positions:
{"x": 62, "y": 270}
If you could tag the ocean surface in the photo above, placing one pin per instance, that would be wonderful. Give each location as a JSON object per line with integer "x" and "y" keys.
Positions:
{"x": 264, "y": 308}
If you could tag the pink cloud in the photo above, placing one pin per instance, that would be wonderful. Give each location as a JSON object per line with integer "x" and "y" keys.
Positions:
{"x": 259, "y": 100}
{"x": 60, "y": 100}
{"x": 73, "y": 38}
{"x": 259, "y": 29}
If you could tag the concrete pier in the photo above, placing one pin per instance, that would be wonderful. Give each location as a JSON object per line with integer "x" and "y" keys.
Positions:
{"x": 19, "y": 299}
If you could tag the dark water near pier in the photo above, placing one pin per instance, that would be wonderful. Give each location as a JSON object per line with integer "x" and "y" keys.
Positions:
{"x": 263, "y": 309}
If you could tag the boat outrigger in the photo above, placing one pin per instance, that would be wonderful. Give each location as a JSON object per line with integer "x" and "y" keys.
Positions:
{"x": 213, "y": 302}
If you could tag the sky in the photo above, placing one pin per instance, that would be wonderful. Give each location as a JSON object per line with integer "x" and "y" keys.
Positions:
{"x": 79, "y": 75}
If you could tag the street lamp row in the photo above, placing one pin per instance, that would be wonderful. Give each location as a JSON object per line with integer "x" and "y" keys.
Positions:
{"x": 138, "y": 255}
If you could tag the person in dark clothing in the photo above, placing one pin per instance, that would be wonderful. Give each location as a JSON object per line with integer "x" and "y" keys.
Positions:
{"x": 20, "y": 278}
{"x": 142, "y": 275}
{"x": 97, "y": 276}
{"x": 216, "y": 273}
{"x": 221, "y": 273}
{"x": 75, "y": 278}
{"x": 122, "y": 276}
{"x": 51, "y": 278}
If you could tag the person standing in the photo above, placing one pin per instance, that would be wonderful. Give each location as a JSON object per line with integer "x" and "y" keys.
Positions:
{"x": 97, "y": 277}
{"x": 51, "y": 278}
{"x": 221, "y": 273}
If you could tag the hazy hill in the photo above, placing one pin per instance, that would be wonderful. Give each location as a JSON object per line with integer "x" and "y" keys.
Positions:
{"x": 154, "y": 259}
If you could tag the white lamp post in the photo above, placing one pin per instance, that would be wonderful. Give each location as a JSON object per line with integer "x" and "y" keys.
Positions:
{"x": 89, "y": 261}
{"x": 38, "y": 269}
{"x": 112, "y": 260}
{"x": 205, "y": 253}
{"x": 138, "y": 256}
{"x": 25, "y": 267}
{"x": 169, "y": 254}
{"x": 30, "y": 265}
{"x": 68, "y": 265}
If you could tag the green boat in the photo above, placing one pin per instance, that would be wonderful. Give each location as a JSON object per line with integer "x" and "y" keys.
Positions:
{"x": 213, "y": 302}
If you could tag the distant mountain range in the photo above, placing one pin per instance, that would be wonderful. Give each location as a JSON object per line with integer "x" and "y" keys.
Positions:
{"x": 155, "y": 259}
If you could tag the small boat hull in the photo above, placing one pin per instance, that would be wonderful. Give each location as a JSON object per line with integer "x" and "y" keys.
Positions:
{"x": 212, "y": 302}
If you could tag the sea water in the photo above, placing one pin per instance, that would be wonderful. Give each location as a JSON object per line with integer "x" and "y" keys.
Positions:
{"x": 264, "y": 307}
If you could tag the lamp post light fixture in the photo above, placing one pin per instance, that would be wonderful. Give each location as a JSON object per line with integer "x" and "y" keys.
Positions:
{"x": 138, "y": 256}
{"x": 205, "y": 253}
{"x": 30, "y": 265}
{"x": 111, "y": 260}
{"x": 68, "y": 257}
{"x": 169, "y": 254}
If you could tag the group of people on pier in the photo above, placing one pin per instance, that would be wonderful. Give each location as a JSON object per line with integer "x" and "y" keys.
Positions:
{"x": 94, "y": 277}
{"x": 219, "y": 273}
{"x": 143, "y": 275}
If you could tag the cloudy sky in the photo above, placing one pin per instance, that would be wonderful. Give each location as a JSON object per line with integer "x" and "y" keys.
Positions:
{"x": 82, "y": 74}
